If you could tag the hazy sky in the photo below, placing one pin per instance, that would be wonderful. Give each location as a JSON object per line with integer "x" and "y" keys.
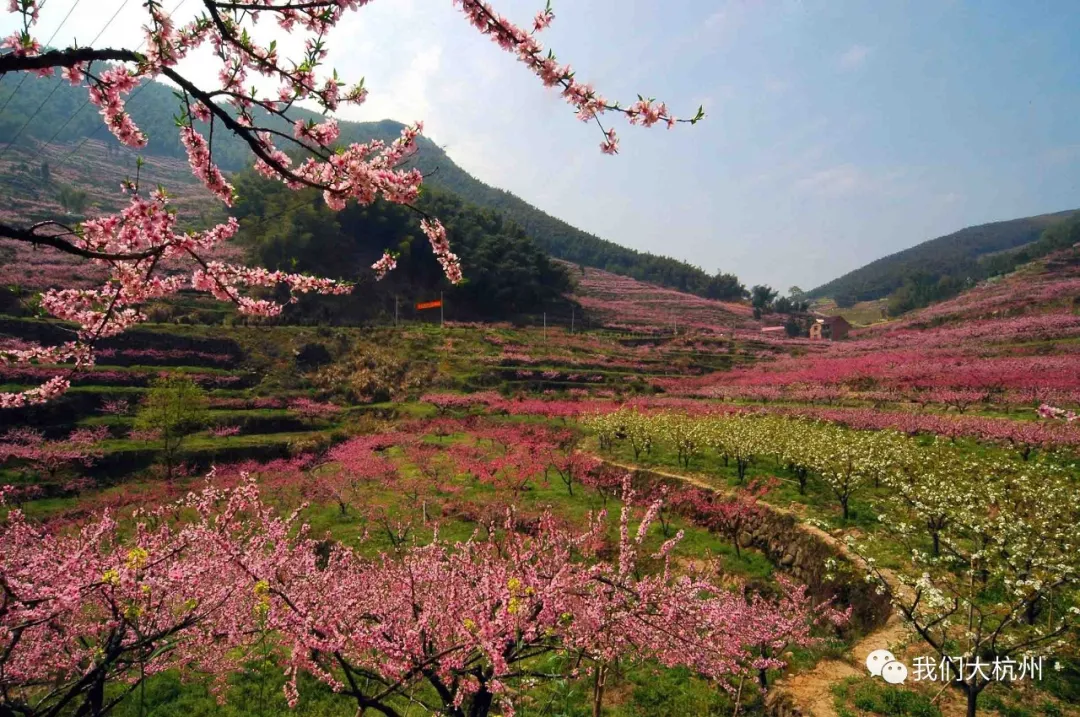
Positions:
{"x": 838, "y": 131}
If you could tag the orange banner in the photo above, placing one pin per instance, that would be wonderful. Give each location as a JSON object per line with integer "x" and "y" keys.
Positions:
{"x": 429, "y": 305}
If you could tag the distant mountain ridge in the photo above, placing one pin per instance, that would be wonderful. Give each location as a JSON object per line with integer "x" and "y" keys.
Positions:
{"x": 33, "y": 117}
{"x": 954, "y": 256}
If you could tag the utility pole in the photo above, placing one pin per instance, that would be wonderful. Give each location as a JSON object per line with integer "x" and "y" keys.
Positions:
{"x": 571, "y": 319}
{"x": 545, "y": 327}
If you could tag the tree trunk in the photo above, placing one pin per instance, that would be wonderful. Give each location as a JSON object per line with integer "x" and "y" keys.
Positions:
{"x": 1032, "y": 611}
{"x": 738, "y": 697}
{"x": 598, "y": 690}
{"x": 481, "y": 703}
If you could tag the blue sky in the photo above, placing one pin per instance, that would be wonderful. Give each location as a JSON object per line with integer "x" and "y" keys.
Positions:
{"x": 838, "y": 131}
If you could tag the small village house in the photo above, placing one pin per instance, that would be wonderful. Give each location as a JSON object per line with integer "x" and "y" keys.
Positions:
{"x": 833, "y": 328}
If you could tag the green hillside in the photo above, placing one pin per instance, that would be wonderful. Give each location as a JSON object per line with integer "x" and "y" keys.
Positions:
{"x": 66, "y": 118}
{"x": 947, "y": 261}
{"x": 506, "y": 275}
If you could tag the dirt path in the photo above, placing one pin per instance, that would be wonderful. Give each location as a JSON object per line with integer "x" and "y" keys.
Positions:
{"x": 811, "y": 690}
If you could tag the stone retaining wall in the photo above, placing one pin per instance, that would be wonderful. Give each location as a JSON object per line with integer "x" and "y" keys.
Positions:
{"x": 804, "y": 552}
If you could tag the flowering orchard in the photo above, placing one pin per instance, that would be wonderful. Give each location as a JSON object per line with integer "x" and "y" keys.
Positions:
{"x": 466, "y": 637}
{"x": 980, "y": 545}
{"x": 844, "y": 464}
{"x": 134, "y": 244}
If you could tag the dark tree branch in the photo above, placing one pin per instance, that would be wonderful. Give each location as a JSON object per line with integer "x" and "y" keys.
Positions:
{"x": 30, "y": 236}
{"x": 65, "y": 58}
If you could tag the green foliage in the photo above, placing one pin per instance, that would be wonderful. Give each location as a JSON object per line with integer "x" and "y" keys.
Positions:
{"x": 255, "y": 692}
{"x": 725, "y": 287}
{"x": 761, "y": 296}
{"x": 72, "y": 199}
{"x": 1060, "y": 236}
{"x": 922, "y": 289}
{"x": 506, "y": 273}
{"x": 878, "y": 697}
{"x": 675, "y": 693}
{"x": 174, "y": 407}
{"x": 955, "y": 255}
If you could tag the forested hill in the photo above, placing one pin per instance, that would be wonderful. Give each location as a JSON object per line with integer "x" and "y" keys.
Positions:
{"x": 67, "y": 118}
{"x": 951, "y": 258}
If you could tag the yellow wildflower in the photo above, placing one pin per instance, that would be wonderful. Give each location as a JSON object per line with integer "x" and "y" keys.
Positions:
{"x": 136, "y": 558}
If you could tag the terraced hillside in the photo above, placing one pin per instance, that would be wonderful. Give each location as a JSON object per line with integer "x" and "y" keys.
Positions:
{"x": 623, "y": 303}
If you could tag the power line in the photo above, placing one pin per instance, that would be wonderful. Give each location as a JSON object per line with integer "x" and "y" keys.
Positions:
{"x": 48, "y": 43}
{"x": 97, "y": 129}
{"x": 58, "y": 84}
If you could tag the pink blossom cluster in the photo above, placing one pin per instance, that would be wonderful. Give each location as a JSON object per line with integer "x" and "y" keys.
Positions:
{"x": 44, "y": 458}
{"x": 22, "y": 374}
{"x": 474, "y": 612}
{"x": 163, "y": 355}
{"x": 20, "y": 43}
{"x": 145, "y": 232}
{"x": 247, "y": 403}
{"x": 41, "y": 268}
{"x": 386, "y": 263}
{"x": 453, "y": 401}
{"x": 106, "y": 94}
{"x": 588, "y": 104}
{"x": 914, "y": 370}
{"x": 116, "y": 407}
{"x": 309, "y": 409}
{"x": 198, "y": 151}
{"x": 1047, "y": 411}
{"x": 224, "y": 281}
{"x": 449, "y": 261}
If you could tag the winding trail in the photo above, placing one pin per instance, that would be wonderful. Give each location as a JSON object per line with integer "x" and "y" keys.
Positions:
{"x": 810, "y": 691}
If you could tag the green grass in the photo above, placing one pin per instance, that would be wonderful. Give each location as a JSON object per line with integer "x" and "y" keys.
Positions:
{"x": 872, "y": 696}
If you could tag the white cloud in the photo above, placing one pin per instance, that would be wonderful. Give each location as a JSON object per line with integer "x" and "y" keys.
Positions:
{"x": 855, "y": 57}
{"x": 774, "y": 86}
{"x": 717, "y": 19}
{"x": 848, "y": 180}
{"x": 410, "y": 99}
{"x": 839, "y": 181}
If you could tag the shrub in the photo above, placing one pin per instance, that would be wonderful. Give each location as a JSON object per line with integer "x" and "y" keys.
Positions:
{"x": 174, "y": 407}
